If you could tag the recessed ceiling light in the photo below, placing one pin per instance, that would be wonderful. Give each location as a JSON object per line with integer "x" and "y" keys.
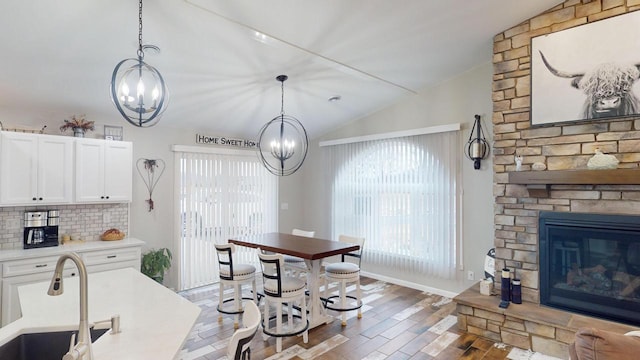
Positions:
{"x": 334, "y": 98}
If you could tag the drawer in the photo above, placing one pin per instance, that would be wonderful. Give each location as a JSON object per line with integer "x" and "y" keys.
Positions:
{"x": 111, "y": 256}
{"x": 32, "y": 266}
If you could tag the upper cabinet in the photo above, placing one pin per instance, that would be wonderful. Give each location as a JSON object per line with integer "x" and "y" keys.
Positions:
{"x": 104, "y": 171}
{"x": 35, "y": 169}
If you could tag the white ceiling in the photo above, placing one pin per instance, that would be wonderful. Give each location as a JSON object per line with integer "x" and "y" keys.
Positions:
{"x": 58, "y": 56}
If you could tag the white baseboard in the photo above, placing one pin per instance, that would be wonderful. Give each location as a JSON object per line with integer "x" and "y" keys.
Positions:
{"x": 411, "y": 285}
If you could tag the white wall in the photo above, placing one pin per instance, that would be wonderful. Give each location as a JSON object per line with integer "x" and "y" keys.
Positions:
{"x": 454, "y": 101}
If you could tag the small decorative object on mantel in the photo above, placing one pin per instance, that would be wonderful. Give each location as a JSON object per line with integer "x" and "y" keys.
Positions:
{"x": 150, "y": 170}
{"x": 601, "y": 161}
{"x": 518, "y": 160}
{"x": 79, "y": 125}
{"x": 538, "y": 166}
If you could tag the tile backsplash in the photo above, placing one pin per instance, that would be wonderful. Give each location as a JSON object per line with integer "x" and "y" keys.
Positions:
{"x": 85, "y": 221}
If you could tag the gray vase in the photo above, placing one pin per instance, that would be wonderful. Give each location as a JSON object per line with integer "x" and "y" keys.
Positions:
{"x": 78, "y": 132}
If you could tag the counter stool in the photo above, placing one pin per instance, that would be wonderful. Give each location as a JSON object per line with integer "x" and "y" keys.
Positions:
{"x": 233, "y": 275}
{"x": 294, "y": 264}
{"x": 280, "y": 290}
{"x": 238, "y": 348}
{"x": 345, "y": 272}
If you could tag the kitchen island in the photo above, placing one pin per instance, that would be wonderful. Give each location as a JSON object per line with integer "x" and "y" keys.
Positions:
{"x": 154, "y": 321}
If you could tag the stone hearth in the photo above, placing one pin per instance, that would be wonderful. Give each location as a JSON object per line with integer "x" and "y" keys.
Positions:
{"x": 527, "y": 325}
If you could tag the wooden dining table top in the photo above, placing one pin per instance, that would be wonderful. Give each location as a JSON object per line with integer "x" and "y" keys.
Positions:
{"x": 303, "y": 247}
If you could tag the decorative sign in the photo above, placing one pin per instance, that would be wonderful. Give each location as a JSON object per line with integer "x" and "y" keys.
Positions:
{"x": 223, "y": 141}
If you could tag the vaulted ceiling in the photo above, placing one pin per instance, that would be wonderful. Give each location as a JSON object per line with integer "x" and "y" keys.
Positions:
{"x": 220, "y": 57}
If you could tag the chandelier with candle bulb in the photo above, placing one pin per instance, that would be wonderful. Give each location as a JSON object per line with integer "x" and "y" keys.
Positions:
{"x": 144, "y": 107}
{"x": 283, "y": 142}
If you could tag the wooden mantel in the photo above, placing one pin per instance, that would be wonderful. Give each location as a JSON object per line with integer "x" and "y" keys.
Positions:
{"x": 538, "y": 182}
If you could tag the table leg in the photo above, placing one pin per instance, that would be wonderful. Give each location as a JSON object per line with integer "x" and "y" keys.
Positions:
{"x": 317, "y": 312}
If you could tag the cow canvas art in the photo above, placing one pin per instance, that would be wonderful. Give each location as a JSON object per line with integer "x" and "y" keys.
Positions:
{"x": 590, "y": 72}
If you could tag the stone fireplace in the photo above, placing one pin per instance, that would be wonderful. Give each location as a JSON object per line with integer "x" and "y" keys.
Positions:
{"x": 565, "y": 186}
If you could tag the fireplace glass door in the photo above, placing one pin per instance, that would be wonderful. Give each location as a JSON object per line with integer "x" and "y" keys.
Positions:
{"x": 590, "y": 263}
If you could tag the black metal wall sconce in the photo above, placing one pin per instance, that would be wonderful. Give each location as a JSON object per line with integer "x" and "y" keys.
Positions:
{"x": 478, "y": 147}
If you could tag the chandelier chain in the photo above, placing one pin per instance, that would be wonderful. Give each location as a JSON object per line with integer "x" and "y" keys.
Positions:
{"x": 282, "y": 97}
{"x": 140, "y": 52}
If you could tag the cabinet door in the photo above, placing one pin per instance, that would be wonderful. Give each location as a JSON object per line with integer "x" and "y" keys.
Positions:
{"x": 18, "y": 169}
{"x": 118, "y": 171}
{"x": 55, "y": 170}
{"x": 89, "y": 170}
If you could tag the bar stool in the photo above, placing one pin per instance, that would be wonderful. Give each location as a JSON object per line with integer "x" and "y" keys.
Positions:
{"x": 233, "y": 275}
{"x": 345, "y": 272}
{"x": 238, "y": 348}
{"x": 281, "y": 290}
{"x": 294, "y": 264}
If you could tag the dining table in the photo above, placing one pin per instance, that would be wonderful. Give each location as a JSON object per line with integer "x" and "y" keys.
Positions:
{"x": 312, "y": 250}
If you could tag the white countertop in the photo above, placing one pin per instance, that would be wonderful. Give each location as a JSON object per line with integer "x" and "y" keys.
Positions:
{"x": 59, "y": 250}
{"x": 154, "y": 320}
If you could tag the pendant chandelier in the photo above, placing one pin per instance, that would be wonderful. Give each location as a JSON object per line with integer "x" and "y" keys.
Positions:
{"x": 283, "y": 141}
{"x": 144, "y": 107}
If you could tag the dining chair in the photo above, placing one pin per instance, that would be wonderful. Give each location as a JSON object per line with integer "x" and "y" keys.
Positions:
{"x": 280, "y": 290}
{"x": 233, "y": 275}
{"x": 294, "y": 264}
{"x": 238, "y": 348}
{"x": 345, "y": 272}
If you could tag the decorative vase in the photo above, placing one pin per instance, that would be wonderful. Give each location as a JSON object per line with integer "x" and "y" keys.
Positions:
{"x": 78, "y": 132}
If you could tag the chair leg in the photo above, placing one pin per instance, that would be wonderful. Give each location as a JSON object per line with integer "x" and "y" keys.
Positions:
{"x": 265, "y": 319}
{"x": 220, "y": 301}
{"x": 255, "y": 293}
{"x": 237, "y": 302}
{"x": 303, "y": 310}
{"x": 279, "y": 327}
{"x": 359, "y": 295}
{"x": 343, "y": 301}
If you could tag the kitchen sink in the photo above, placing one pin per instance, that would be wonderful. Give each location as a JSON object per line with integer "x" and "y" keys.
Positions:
{"x": 42, "y": 346}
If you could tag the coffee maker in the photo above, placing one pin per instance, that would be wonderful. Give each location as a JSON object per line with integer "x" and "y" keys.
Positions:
{"x": 41, "y": 228}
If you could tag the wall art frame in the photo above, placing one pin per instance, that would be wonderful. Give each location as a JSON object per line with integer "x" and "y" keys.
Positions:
{"x": 586, "y": 73}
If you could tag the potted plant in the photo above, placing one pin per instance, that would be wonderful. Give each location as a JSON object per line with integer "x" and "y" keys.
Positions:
{"x": 79, "y": 125}
{"x": 155, "y": 263}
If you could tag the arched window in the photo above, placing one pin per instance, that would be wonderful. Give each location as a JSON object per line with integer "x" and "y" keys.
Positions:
{"x": 401, "y": 195}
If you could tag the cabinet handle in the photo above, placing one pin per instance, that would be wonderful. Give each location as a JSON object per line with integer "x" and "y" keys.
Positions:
{"x": 112, "y": 256}
{"x": 107, "y": 196}
{"x": 34, "y": 199}
{"x": 40, "y": 199}
{"x": 101, "y": 197}
{"x": 41, "y": 265}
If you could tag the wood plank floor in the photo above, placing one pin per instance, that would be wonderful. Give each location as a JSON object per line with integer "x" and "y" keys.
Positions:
{"x": 397, "y": 323}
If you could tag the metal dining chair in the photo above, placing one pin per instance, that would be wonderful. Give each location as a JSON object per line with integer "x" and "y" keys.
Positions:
{"x": 238, "y": 348}
{"x": 345, "y": 272}
{"x": 280, "y": 290}
{"x": 234, "y": 275}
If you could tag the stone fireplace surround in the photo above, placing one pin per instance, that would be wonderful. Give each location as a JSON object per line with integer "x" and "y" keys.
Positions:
{"x": 565, "y": 150}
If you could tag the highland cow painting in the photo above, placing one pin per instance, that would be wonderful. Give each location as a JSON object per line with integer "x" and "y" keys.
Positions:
{"x": 589, "y": 72}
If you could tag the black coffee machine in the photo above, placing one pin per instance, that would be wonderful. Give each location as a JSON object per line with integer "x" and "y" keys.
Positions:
{"x": 41, "y": 228}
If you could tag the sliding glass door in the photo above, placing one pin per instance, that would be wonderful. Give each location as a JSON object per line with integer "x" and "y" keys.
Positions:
{"x": 220, "y": 196}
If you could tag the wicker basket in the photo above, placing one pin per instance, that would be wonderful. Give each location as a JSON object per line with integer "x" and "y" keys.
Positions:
{"x": 112, "y": 236}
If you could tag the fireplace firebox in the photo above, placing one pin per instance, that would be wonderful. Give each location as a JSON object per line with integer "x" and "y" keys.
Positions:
{"x": 590, "y": 264}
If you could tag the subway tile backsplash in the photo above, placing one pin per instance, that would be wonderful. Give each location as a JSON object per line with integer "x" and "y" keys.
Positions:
{"x": 87, "y": 222}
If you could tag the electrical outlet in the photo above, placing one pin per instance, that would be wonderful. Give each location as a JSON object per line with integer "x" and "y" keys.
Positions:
{"x": 471, "y": 275}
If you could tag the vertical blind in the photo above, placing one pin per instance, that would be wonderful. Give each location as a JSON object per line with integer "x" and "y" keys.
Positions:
{"x": 221, "y": 196}
{"x": 401, "y": 194}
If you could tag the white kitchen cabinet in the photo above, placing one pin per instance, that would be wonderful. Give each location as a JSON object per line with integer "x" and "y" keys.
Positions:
{"x": 104, "y": 171}
{"x": 30, "y": 270}
{"x": 35, "y": 169}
